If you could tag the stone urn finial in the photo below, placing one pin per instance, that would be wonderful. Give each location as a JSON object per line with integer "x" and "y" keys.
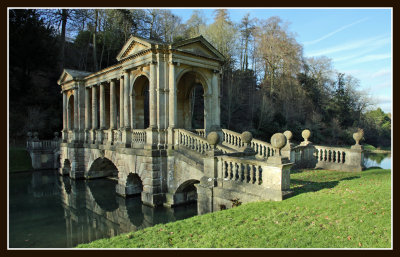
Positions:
{"x": 306, "y": 135}
{"x": 278, "y": 140}
{"x": 358, "y": 136}
{"x": 29, "y": 134}
{"x": 56, "y": 135}
{"x": 213, "y": 139}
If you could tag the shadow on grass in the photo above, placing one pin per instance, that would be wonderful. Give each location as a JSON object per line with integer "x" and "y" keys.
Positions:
{"x": 303, "y": 186}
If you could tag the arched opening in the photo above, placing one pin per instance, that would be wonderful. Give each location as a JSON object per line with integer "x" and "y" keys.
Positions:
{"x": 140, "y": 108}
{"x": 190, "y": 102}
{"x": 186, "y": 193}
{"x": 70, "y": 113}
{"x": 134, "y": 185}
{"x": 102, "y": 167}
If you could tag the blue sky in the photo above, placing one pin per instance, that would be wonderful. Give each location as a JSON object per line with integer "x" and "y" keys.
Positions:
{"x": 359, "y": 41}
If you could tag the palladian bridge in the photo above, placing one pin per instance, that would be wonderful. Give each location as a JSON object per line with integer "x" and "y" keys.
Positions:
{"x": 152, "y": 121}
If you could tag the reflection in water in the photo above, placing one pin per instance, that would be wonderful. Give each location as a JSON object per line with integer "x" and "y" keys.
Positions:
{"x": 382, "y": 160}
{"x": 47, "y": 210}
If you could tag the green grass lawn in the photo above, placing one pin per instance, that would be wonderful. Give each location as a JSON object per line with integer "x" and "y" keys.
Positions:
{"x": 19, "y": 159}
{"x": 328, "y": 210}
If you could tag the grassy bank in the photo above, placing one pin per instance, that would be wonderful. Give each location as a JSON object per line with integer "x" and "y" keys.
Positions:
{"x": 329, "y": 210}
{"x": 19, "y": 159}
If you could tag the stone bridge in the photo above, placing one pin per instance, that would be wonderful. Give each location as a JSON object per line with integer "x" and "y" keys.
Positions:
{"x": 152, "y": 121}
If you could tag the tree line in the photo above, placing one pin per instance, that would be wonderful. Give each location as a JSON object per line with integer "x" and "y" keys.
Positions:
{"x": 267, "y": 84}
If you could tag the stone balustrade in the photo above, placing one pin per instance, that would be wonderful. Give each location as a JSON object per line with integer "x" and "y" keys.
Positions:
{"x": 240, "y": 170}
{"x": 43, "y": 144}
{"x": 138, "y": 136}
{"x": 263, "y": 149}
{"x": 191, "y": 141}
{"x": 200, "y": 132}
{"x": 331, "y": 154}
{"x": 232, "y": 139}
{"x": 308, "y": 155}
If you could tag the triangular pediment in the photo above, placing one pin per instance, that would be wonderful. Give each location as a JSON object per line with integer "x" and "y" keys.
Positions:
{"x": 69, "y": 74}
{"x": 198, "y": 46}
{"x": 133, "y": 46}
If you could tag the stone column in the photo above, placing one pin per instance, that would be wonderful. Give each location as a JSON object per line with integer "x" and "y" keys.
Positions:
{"x": 87, "y": 109}
{"x": 95, "y": 123}
{"x": 172, "y": 102}
{"x": 172, "y": 96}
{"x": 113, "y": 105}
{"x": 102, "y": 106}
{"x": 153, "y": 95}
{"x": 215, "y": 100}
{"x": 65, "y": 111}
{"x": 132, "y": 110}
{"x": 126, "y": 99}
{"x": 76, "y": 109}
{"x": 121, "y": 102}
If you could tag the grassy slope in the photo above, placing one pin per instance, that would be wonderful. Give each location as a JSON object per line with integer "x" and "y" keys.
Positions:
{"x": 329, "y": 210}
{"x": 19, "y": 159}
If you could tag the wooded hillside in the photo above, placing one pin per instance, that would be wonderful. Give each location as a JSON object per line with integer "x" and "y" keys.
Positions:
{"x": 268, "y": 86}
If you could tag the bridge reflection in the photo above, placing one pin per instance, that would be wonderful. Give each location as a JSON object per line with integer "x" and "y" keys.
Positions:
{"x": 93, "y": 210}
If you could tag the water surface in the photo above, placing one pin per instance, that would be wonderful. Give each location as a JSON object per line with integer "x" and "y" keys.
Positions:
{"x": 50, "y": 211}
{"x": 383, "y": 160}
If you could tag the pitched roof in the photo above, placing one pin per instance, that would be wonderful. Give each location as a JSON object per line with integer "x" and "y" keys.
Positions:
{"x": 75, "y": 74}
{"x": 202, "y": 40}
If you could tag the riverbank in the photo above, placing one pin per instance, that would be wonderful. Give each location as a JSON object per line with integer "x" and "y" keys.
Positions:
{"x": 328, "y": 210}
{"x": 19, "y": 159}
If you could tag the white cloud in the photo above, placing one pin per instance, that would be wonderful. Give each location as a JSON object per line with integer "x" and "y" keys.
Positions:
{"x": 370, "y": 58}
{"x": 334, "y": 32}
{"x": 367, "y": 45}
{"x": 381, "y": 73}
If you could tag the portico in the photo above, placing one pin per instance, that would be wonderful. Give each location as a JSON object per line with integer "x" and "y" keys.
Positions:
{"x": 149, "y": 90}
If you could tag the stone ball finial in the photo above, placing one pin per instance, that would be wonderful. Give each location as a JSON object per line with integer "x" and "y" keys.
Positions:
{"x": 278, "y": 140}
{"x": 56, "y": 134}
{"x": 29, "y": 134}
{"x": 306, "y": 134}
{"x": 36, "y": 135}
{"x": 213, "y": 138}
{"x": 246, "y": 137}
{"x": 288, "y": 134}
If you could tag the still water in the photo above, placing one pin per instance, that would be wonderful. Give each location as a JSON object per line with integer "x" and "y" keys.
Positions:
{"x": 383, "y": 160}
{"x": 50, "y": 211}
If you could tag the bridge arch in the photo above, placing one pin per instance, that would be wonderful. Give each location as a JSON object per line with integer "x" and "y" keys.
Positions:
{"x": 186, "y": 192}
{"x": 134, "y": 184}
{"x": 192, "y": 87}
{"x": 102, "y": 167}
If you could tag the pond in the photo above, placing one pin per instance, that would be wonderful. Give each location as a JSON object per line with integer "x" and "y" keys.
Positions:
{"x": 50, "y": 211}
{"x": 383, "y": 160}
